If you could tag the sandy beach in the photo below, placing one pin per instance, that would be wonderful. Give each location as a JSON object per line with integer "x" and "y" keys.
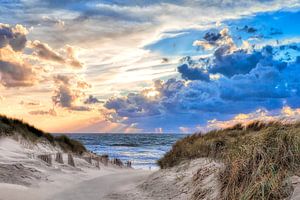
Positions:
{"x": 25, "y": 177}
{"x": 88, "y": 185}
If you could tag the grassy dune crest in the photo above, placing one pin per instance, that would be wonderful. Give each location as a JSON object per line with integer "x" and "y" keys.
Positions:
{"x": 258, "y": 158}
{"x": 11, "y": 126}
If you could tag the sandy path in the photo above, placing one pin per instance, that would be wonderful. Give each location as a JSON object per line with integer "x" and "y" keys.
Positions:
{"x": 103, "y": 186}
{"x": 23, "y": 177}
{"x": 99, "y": 188}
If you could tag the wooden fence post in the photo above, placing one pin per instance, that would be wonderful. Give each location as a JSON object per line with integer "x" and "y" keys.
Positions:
{"x": 71, "y": 160}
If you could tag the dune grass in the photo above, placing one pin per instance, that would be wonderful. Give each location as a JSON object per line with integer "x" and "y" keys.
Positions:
{"x": 258, "y": 158}
{"x": 11, "y": 126}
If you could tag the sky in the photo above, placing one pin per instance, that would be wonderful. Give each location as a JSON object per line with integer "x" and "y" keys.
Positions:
{"x": 138, "y": 66}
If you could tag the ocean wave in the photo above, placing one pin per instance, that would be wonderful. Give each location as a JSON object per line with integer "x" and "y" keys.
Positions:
{"x": 142, "y": 149}
{"x": 125, "y": 145}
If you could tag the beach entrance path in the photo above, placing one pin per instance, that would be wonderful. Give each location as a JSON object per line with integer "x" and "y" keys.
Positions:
{"x": 104, "y": 186}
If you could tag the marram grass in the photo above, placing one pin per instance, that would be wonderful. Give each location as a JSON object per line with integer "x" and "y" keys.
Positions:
{"x": 259, "y": 158}
{"x": 11, "y": 126}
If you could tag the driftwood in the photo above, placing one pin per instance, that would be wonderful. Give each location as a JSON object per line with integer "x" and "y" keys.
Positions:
{"x": 46, "y": 158}
{"x": 71, "y": 160}
{"x": 59, "y": 158}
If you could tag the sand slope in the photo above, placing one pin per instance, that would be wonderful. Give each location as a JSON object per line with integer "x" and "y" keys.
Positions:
{"x": 25, "y": 177}
{"x": 103, "y": 187}
{"x": 196, "y": 179}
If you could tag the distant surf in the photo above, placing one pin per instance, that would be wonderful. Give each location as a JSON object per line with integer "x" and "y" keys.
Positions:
{"x": 142, "y": 149}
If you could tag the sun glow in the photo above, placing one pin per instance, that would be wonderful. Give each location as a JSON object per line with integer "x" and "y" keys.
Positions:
{"x": 151, "y": 93}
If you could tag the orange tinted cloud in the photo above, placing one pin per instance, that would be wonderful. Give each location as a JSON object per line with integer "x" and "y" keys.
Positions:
{"x": 44, "y": 51}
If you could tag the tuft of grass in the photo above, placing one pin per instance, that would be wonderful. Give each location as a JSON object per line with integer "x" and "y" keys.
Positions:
{"x": 258, "y": 158}
{"x": 69, "y": 144}
{"x": 11, "y": 126}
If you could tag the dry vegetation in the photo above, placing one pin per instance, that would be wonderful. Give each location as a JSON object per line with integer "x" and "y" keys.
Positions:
{"x": 10, "y": 126}
{"x": 258, "y": 158}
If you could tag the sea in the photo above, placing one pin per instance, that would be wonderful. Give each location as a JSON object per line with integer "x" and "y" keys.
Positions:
{"x": 143, "y": 150}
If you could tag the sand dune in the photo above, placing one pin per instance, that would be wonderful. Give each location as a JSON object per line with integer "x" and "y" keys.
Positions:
{"x": 25, "y": 177}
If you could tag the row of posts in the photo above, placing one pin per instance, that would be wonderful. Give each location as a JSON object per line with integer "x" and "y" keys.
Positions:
{"x": 58, "y": 158}
{"x": 103, "y": 159}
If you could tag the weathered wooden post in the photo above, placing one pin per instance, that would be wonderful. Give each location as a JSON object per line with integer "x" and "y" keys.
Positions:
{"x": 71, "y": 160}
{"x": 88, "y": 159}
{"x": 59, "y": 158}
{"x": 104, "y": 159}
{"x": 119, "y": 162}
{"x": 98, "y": 162}
{"x": 46, "y": 158}
{"x": 128, "y": 164}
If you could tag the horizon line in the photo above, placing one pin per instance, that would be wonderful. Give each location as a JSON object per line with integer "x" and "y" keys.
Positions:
{"x": 124, "y": 133}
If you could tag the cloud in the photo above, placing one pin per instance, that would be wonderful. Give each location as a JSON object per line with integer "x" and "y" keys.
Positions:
{"x": 30, "y": 103}
{"x": 82, "y": 84}
{"x": 133, "y": 105}
{"x": 92, "y": 100}
{"x": 72, "y": 59}
{"x": 213, "y": 39}
{"x": 44, "y": 51}
{"x": 53, "y": 21}
{"x": 256, "y": 80}
{"x": 190, "y": 73}
{"x": 15, "y": 37}
{"x": 67, "y": 94}
{"x": 13, "y": 74}
{"x": 112, "y": 37}
{"x": 249, "y": 29}
{"x": 285, "y": 114}
{"x": 62, "y": 79}
{"x": 51, "y": 112}
{"x": 15, "y": 69}
{"x": 227, "y": 59}
{"x": 238, "y": 62}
